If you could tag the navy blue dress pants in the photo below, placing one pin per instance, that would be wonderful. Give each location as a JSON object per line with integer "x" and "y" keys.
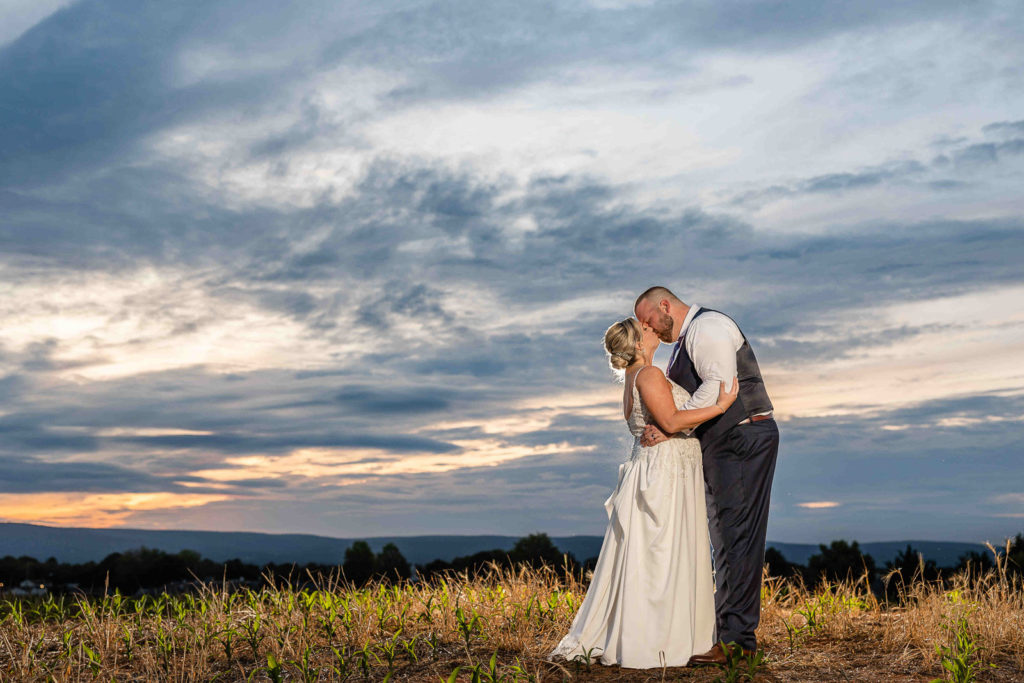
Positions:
{"x": 738, "y": 471}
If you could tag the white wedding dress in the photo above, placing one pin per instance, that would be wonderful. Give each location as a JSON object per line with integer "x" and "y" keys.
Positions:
{"x": 650, "y": 602}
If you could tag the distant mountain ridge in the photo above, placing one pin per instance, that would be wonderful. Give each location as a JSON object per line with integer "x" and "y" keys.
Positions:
{"x": 82, "y": 544}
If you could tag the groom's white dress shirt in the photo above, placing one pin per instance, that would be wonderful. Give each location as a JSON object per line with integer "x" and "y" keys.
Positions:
{"x": 712, "y": 341}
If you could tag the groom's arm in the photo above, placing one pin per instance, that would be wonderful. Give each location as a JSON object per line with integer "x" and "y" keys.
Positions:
{"x": 712, "y": 342}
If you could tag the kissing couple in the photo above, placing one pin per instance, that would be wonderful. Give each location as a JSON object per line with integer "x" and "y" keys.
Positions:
{"x": 698, "y": 479}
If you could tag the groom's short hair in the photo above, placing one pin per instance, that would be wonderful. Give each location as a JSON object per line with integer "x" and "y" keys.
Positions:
{"x": 655, "y": 293}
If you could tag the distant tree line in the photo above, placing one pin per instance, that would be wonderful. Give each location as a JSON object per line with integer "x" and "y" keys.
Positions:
{"x": 362, "y": 565}
{"x": 535, "y": 550}
{"x": 841, "y": 560}
{"x": 147, "y": 569}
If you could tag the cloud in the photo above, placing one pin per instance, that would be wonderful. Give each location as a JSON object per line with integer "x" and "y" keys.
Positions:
{"x": 178, "y": 65}
{"x": 492, "y": 46}
{"x": 398, "y": 299}
{"x": 238, "y": 443}
{"x": 988, "y": 152}
{"x": 1004, "y": 129}
{"x": 960, "y": 155}
{"x": 30, "y": 475}
{"x": 834, "y": 183}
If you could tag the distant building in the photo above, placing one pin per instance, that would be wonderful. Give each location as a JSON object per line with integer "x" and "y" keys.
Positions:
{"x": 29, "y": 587}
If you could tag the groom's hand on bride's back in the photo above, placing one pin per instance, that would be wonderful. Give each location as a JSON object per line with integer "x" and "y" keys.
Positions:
{"x": 652, "y": 435}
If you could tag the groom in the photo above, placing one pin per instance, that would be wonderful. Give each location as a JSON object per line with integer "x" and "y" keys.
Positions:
{"x": 739, "y": 451}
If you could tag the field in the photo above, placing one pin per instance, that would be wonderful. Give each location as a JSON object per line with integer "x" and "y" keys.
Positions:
{"x": 498, "y": 627}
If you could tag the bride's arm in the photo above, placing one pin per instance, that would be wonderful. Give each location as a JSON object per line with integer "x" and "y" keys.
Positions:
{"x": 657, "y": 395}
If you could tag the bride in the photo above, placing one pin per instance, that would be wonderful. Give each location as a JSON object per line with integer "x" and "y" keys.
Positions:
{"x": 650, "y": 602}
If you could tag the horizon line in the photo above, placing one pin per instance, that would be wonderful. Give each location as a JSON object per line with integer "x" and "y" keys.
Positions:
{"x": 468, "y": 535}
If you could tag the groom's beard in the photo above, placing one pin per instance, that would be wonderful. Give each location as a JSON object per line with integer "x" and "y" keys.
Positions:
{"x": 664, "y": 328}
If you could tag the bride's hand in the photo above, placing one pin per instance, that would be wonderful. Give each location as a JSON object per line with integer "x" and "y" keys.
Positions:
{"x": 727, "y": 398}
{"x": 652, "y": 436}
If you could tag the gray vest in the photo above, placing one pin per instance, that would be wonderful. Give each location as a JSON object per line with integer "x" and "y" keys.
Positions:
{"x": 752, "y": 399}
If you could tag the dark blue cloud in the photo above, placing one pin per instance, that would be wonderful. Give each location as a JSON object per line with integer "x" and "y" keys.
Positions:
{"x": 960, "y": 155}
{"x": 367, "y": 401}
{"x": 834, "y": 183}
{"x": 34, "y": 475}
{"x": 79, "y": 99}
{"x": 986, "y": 153}
{"x": 23, "y": 433}
{"x": 248, "y": 443}
{"x": 1005, "y": 129}
{"x": 396, "y": 298}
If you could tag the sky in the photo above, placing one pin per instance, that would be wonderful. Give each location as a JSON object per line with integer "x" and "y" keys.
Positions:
{"x": 344, "y": 268}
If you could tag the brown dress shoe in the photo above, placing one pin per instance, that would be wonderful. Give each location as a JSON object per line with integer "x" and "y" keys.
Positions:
{"x": 716, "y": 655}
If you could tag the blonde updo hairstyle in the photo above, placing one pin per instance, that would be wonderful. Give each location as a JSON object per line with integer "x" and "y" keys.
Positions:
{"x": 622, "y": 342}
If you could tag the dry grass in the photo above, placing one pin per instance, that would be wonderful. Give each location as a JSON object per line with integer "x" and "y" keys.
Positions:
{"x": 501, "y": 626}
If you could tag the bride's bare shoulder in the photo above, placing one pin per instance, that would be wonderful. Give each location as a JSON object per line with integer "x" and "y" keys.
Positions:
{"x": 651, "y": 375}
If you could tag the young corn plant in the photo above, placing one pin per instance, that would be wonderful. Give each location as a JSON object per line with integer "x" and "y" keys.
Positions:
{"x": 520, "y": 673}
{"x": 95, "y": 663}
{"x": 427, "y": 614}
{"x": 128, "y": 640}
{"x": 793, "y": 633}
{"x": 339, "y": 666}
{"x": 165, "y": 646}
{"x": 490, "y": 674}
{"x": 755, "y": 664}
{"x": 304, "y": 665}
{"x": 16, "y": 613}
{"x": 226, "y": 637}
{"x": 738, "y": 667}
{"x": 961, "y": 658}
{"x": 328, "y": 627}
{"x": 251, "y": 628}
{"x": 585, "y": 659}
{"x": 433, "y": 643}
{"x": 66, "y": 637}
{"x": 364, "y": 659}
{"x": 389, "y": 650}
{"x": 468, "y": 626}
{"x": 811, "y": 613}
{"x": 410, "y": 648}
{"x": 274, "y": 668}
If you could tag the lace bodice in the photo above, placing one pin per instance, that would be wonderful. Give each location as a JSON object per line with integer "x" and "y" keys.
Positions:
{"x": 640, "y": 417}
